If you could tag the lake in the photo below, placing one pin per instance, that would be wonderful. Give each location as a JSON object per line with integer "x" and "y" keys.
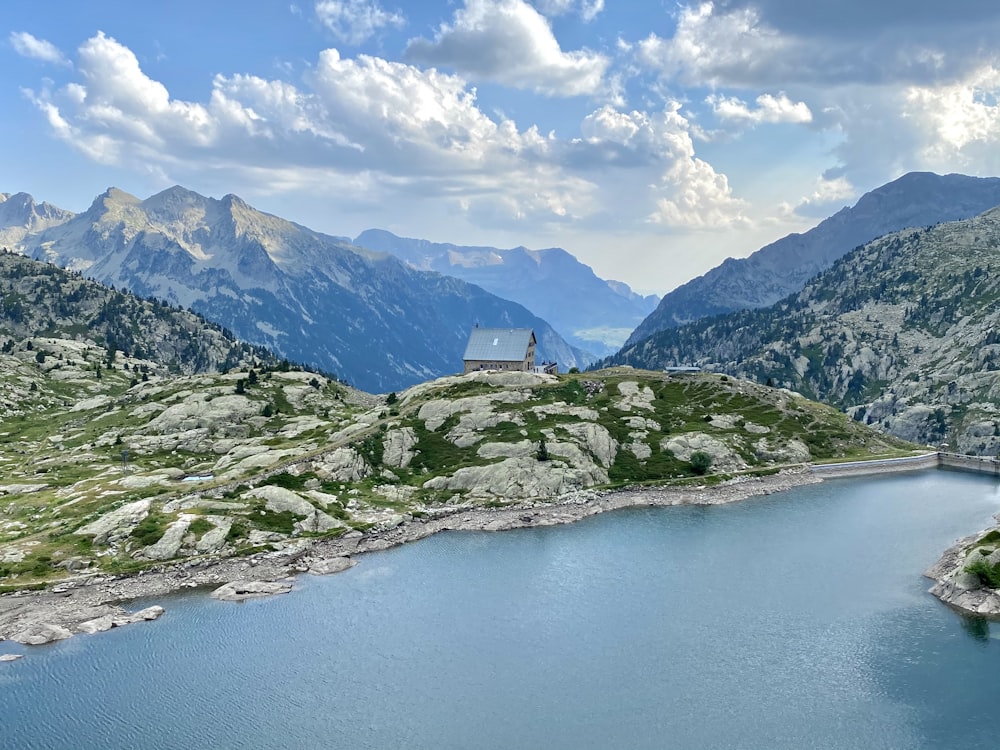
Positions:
{"x": 796, "y": 620}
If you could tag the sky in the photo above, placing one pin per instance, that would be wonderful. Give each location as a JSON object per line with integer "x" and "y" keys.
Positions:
{"x": 650, "y": 139}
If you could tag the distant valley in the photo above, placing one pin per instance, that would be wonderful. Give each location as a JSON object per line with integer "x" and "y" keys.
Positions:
{"x": 364, "y": 316}
{"x": 591, "y": 313}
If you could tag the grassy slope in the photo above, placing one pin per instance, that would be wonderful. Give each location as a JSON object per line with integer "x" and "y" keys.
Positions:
{"x": 65, "y": 429}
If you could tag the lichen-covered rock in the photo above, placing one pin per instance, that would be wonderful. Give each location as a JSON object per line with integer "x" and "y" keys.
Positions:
{"x": 595, "y": 439}
{"x": 117, "y": 524}
{"x": 634, "y": 396}
{"x": 219, "y": 414}
{"x": 397, "y": 447}
{"x": 168, "y": 545}
{"x": 342, "y": 465}
{"x": 215, "y": 538}
{"x": 238, "y": 591}
{"x": 279, "y": 500}
{"x": 516, "y": 478}
{"x": 508, "y": 450}
{"x": 639, "y": 449}
{"x": 318, "y": 521}
{"x": 790, "y": 451}
{"x": 435, "y": 412}
{"x": 723, "y": 458}
{"x": 331, "y": 566}
{"x": 41, "y": 633}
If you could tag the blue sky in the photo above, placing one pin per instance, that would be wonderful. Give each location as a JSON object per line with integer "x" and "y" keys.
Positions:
{"x": 651, "y": 139}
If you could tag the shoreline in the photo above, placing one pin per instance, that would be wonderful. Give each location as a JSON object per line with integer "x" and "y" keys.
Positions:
{"x": 98, "y": 602}
{"x": 958, "y": 589}
{"x": 95, "y": 603}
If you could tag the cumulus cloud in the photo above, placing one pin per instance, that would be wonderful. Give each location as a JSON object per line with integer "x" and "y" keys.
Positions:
{"x": 510, "y": 42}
{"x": 364, "y": 129}
{"x": 27, "y": 45}
{"x": 770, "y": 109}
{"x": 687, "y": 192}
{"x": 355, "y": 21}
{"x": 959, "y": 121}
{"x": 731, "y": 44}
{"x": 829, "y": 195}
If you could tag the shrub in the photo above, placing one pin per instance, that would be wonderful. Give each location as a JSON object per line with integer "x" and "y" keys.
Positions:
{"x": 288, "y": 481}
{"x": 542, "y": 454}
{"x": 988, "y": 575}
{"x": 700, "y": 462}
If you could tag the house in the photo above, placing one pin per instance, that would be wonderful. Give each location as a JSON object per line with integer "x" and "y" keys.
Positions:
{"x": 500, "y": 349}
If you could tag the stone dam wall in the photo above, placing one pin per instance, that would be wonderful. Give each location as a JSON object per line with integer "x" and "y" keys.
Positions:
{"x": 977, "y": 464}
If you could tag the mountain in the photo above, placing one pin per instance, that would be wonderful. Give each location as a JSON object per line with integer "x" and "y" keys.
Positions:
{"x": 363, "y": 315}
{"x": 551, "y": 283}
{"x": 903, "y": 332}
{"x": 20, "y": 216}
{"x": 41, "y": 303}
{"x": 916, "y": 199}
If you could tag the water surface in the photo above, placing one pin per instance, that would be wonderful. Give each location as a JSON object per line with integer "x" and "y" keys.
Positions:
{"x": 798, "y": 620}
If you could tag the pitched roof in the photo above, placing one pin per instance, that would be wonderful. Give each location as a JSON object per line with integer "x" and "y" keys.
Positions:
{"x": 501, "y": 344}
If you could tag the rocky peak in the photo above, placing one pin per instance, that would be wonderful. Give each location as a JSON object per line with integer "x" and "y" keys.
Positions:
{"x": 783, "y": 267}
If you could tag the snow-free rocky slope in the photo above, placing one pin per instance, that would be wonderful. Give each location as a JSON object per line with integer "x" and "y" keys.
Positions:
{"x": 41, "y": 303}
{"x": 591, "y": 313}
{"x": 902, "y": 332}
{"x": 266, "y": 458}
{"x": 917, "y": 199}
{"x": 364, "y": 316}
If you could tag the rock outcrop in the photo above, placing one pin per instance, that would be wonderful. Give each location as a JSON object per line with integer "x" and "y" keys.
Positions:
{"x": 238, "y": 591}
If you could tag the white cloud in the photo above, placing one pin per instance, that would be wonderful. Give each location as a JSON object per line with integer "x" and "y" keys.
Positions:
{"x": 959, "y": 120}
{"x": 588, "y": 9}
{"x": 686, "y": 191}
{"x": 722, "y": 44}
{"x": 27, "y": 45}
{"x": 770, "y": 109}
{"x": 365, "y": 132}
{"x": 510, "y": 42}
{"x": 829, "y": 195}
{"x": 715, "y": 48}
{"x": 355, "y": 21}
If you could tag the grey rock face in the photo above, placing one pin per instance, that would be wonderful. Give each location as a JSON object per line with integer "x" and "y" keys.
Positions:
{"x": 723, "y": 458}
{"x": 343, "y": 465}
{"x": 311, "y": 297}
{"x": 238, "y": 591}
{"x": 331, "y": 566}
{"x": 917, "y": 199}
{"x": 170, "y": 543}
{"x": 398, "y": 447}
{"x": 117, "y": 524}
{"x": 41, "y": 633}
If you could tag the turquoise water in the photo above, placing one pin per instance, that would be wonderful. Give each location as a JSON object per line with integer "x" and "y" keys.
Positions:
{"x": 799, "y": 620}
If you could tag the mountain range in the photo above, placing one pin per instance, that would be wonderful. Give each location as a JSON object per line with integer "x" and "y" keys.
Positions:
{"x": 552, "y": 283}
{"x": 901, "y": 332}
{"x": 365, "y": 316}
{"x": 916, "y": 199}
